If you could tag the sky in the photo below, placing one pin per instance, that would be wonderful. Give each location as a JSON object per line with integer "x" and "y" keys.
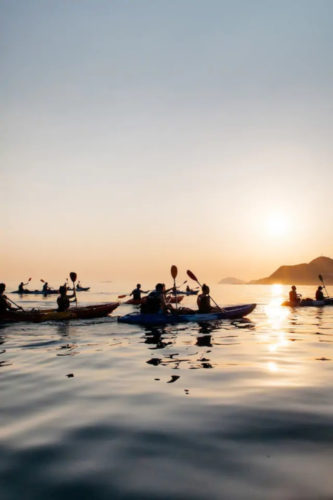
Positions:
{"x": 140, "y": 134}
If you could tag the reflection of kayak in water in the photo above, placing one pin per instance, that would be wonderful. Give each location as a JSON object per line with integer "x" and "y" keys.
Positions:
{"x": 309, "y": 303}
{"x": 36, "y": 292}
{"x": 233, "y": 312}
{"x": 169, "y": 300}
{"x": 37, "y": 316}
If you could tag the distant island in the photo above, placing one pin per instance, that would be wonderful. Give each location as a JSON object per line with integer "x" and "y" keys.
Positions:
{"x": 231, "y": 281}
{"x": 300, "y": 274}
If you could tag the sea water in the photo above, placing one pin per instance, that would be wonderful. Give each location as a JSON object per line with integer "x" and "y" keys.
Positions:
{"x": 229, "y": 409}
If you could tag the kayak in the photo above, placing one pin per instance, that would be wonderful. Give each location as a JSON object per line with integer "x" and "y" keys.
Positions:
{"x": 192, "y": 292}
{"x": 233, "y": 312}
{"x": 82, "y": 288}
{"x": 309, "y": 303}
{"x": 39, "y": 315}
{"x": 36, "y": 292}
{"x": 169, "y": 299}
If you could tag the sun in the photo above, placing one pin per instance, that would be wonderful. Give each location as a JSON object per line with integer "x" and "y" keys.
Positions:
{"x": 277, "y": 225}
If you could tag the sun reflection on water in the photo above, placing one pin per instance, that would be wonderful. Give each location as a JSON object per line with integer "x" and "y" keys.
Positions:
{"x": 276, "y": 314}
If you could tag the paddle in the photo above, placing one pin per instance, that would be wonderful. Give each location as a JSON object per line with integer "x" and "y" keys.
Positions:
{"x": 322, "y": 280}
{"x": 194, "y": 278}
{"x": 73, "y": 277}
{"x": 174, "y": 272}
{"x": 19, "y": 307}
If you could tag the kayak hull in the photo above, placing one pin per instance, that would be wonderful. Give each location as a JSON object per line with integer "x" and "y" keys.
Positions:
{"x": 309, "y": 303}
{"x": 38, "y": 316}
{"x": 233, "y": 312}
{"x": 170, "y": 300}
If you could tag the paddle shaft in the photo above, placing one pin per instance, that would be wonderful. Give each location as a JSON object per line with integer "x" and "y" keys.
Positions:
{"x": 10, "y": 300}
{"x": 322, "y": 280}
{"x": 73, "y": 277}
{"x": 175, "y": 295}
{"x": 325, "y": 289}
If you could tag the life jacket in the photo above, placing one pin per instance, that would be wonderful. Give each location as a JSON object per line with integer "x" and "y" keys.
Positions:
{"x": 4, "y": 306}
{"x": 63, "y": 303}
{"x": 136, "y": 294}
{"x": 153, "y": 303}
{"x": 204, "y": 303}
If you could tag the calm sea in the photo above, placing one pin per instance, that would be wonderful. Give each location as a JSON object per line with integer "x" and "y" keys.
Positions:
{"x": 225, "y": 410}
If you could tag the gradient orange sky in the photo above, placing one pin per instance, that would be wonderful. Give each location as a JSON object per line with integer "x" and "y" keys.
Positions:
{"x": 136, "y": 135}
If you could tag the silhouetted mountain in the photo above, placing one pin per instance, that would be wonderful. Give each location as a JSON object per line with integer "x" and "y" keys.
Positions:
{"x": 231, "y": 281}
{"x": 301, "y": 274}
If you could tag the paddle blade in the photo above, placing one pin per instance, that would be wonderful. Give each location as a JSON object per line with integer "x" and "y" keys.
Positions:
{"x": 73, "y": 277}
{"x": 29, "y": 279}
{"x": 42, "y": 280}
{"x": 321, "y": 278}
{"x": 191, "y": 275}
{"x": 174, "y": 272}
{"x": 121, "y": 296}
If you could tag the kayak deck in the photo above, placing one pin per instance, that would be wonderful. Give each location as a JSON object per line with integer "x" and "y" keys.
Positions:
{"x": 232, "y": 312}
{"x": 38, "y": 316}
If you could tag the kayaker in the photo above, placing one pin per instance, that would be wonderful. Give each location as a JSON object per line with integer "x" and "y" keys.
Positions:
{"x": 45, "y": 288}
{"x": 319, "y": 293}
{"x": 137, "y": 292}
{"x": 203, "y": 301}
{"x": 155, "y": 302}
{"x": 21, "y": 288}
{"x": 5, "y": 305}
{"x": 63, "y": 300}
{"x": 294, "y": 297}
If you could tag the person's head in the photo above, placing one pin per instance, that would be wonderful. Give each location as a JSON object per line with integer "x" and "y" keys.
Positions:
{"x": 2, "y": 287}
{"x": 21, "y": 284}
{"x": 293, "y": 287}
{"x": 62, "y": 290}
{"x": 160, "y": 287}
{"x": 138, "y": 285}
{"x": 320, "y": 287}
{"x": 205, "y": 289}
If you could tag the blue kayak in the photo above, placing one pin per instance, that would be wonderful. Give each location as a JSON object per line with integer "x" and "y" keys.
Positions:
{"x": 233, "y": 312}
